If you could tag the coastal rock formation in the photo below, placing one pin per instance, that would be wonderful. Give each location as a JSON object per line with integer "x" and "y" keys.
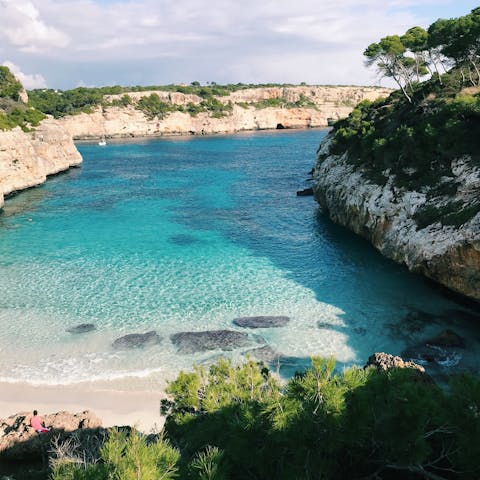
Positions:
{"x": 19, "y": 441}
{"x": 26, "y": 159}
{"x": 192, "y": 342}
{"x": 261, "y": 322}
{"x": 323, "y": 104}
{"x": 387, "y": 214}
{"x": 385, "y": 361}
{"x": 137, "y": 340}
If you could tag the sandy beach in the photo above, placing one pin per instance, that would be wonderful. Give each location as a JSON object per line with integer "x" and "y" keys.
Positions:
{"x": 113, "y": 407}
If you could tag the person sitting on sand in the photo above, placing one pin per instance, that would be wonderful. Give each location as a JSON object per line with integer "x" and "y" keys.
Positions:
{"x": 37, "y": 424}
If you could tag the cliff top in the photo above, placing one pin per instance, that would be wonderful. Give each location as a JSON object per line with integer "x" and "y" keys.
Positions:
{"x": 195, "y": 98}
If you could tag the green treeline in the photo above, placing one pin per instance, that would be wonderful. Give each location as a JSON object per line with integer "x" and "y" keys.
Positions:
{"x": 417, "y": 132}
{"x": 238, "y": 423}
{"x": 13, "y": 112}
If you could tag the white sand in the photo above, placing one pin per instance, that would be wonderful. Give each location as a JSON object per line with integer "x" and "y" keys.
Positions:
{"x": 113, "y": 407}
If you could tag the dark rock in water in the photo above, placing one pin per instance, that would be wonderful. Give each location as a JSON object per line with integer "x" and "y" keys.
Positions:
{"x": 326, "y": 325}
{"x": 137, "y": 340}
{"x": 432, "y": 354}
{"x": 261, "y": 322}
{"x": 441, "y": 350}
{"x": 305, "y": 193}
{"x": 191, "y": 342}
{"x": 81, "y": 328}
{"x": 447, "y": 338}
{"x": 385, "y": 361}
{"x": 360, "y": 331}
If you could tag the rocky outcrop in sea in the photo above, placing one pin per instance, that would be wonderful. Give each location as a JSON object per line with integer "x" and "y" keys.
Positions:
{"x": 392, "y": 217}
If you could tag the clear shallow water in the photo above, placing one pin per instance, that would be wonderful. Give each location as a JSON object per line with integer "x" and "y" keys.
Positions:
{"x": 186, "y": 234}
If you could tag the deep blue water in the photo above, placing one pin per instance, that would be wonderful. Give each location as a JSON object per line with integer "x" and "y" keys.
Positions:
{"x": 185, "y": 234}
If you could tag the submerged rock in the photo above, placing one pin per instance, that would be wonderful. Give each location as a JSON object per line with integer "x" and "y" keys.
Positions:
{"x": 261, "y": 321}
{"x": 137, "y": 340}
{"x": 264, "y": 354}
{"x": 447, "y": 338}
{"x": 442, "y": 349}
{"x": 191, "y": 342}
{"x": 81, "y": 328}
{"x": 425, "y": 354}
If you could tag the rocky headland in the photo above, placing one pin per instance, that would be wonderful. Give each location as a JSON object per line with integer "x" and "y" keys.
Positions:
{"x": 32, "y": 146}
{"x": 402, "y": 177}
{"x": 28, "y": 158}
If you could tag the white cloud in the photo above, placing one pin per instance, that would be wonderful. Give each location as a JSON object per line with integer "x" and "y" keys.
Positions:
{"x": 204, "y": 40}
{"x": 32, "y": 81}
{"x": 22, "y": 27}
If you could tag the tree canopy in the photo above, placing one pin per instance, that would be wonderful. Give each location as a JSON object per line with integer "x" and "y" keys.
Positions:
{"x": 420, "y": 54}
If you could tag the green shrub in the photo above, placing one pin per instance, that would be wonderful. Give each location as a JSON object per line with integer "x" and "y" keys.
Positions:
{"x": 10, "y": 87}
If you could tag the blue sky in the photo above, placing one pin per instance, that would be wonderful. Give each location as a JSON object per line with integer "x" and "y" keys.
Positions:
{"x": 65, "y": 43}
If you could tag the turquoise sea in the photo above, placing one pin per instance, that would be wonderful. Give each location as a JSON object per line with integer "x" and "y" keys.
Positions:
{"x": 185, "y": 234}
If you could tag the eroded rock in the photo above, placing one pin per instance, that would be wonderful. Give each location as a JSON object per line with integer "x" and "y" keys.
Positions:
{"x": 384, "y": 361}
{"x": 191, "y": 342}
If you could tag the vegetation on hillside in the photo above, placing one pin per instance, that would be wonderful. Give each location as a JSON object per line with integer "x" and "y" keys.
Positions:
{"x": 60, "y": 103}
{"x": 237, "y": 422}
{"x": 13, "y": 112}
{"x": 417, "y": 132}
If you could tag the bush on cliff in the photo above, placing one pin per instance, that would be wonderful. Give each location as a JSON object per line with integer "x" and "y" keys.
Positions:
{"x": 324, "y": 424}
{"x": 10, "y": 87}
{"x": 238, "y": 422}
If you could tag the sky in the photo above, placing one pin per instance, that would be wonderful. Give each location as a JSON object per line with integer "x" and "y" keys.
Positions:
{"x": 69, "y": 43}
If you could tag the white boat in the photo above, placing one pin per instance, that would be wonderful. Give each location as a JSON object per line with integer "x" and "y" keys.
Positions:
{"x": 102, "y": 142}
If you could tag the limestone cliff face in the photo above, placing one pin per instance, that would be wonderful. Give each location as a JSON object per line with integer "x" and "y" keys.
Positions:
{"x": 26, "y": 159}
{"x": 385, "y": 215}
{"x": 326, "y": 103}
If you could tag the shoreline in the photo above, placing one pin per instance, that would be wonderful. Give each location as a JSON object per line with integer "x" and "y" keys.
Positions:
{"x": 186, "y": 134}
{"x": 114, "y": 407}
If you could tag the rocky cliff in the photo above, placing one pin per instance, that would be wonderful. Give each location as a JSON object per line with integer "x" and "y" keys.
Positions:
{"x": 248, "y": 112}
{"x": 392, "y": 216}
{"x": 27, "y": 158}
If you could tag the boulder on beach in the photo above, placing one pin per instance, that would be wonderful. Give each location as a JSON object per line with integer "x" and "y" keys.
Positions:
{"x": 192, "y": 342}
{"x": 261, "y": 321}
{"x": 81, "y": 328}
{"x": 137, "y": 340}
